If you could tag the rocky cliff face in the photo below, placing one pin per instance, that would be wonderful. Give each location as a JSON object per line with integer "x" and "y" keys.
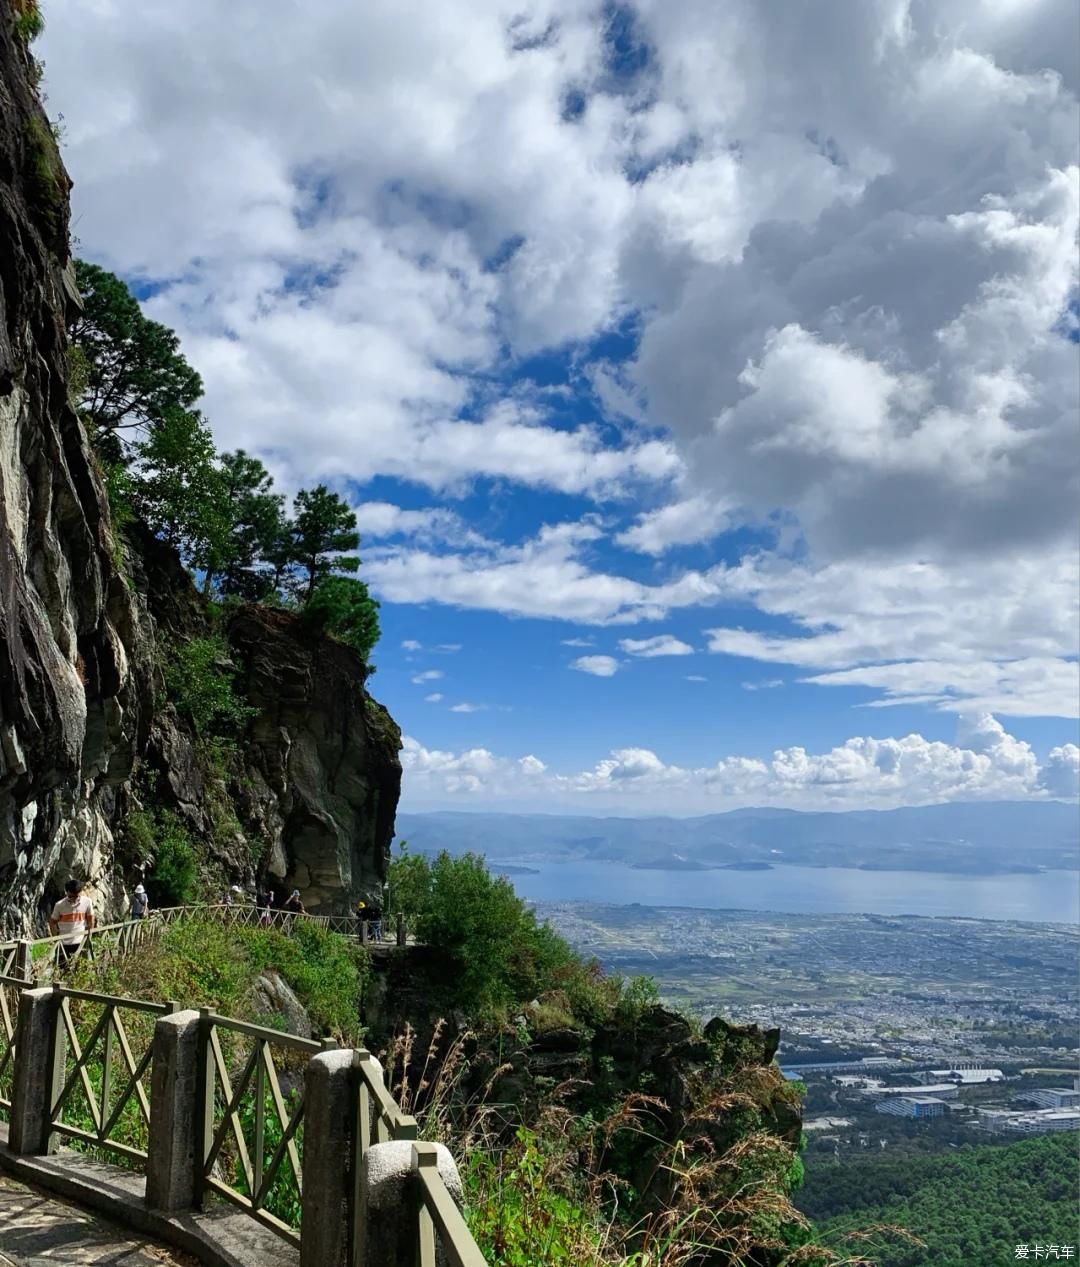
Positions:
{"x": 85, "y": 627}
{"x": 72, "y": 668}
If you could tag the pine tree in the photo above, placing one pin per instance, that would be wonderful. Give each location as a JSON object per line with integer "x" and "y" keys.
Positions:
{"x": 323, "y": 527}
{"x": 135, "y": 374}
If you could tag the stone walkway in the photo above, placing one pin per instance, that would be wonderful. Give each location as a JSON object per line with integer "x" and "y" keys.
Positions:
{"x": 39, "y": 1231}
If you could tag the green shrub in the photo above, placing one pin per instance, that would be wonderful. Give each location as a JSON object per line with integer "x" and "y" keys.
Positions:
{"x": 341, "y": 606}
{"x": 173, "y": 879}
{"x": 29, "y": 22}
{"x": 45, "y": 175}
{"x": 199, "y": 681}
{"x": 501, "y": 954}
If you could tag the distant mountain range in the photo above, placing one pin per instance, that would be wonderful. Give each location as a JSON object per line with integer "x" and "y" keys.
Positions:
{"x": 974, "y": 838}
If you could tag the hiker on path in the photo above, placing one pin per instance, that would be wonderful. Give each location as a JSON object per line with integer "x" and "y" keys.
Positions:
{"x": 71, "y": 919}
{"x": 140, "y": 903}
{"x": 294, "y": 905}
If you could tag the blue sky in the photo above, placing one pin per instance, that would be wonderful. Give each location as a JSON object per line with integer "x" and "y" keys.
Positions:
{"x": 705, "y": 376}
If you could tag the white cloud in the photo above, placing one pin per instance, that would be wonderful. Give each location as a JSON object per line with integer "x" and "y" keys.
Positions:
{"x": 597, "y": 665}
{"x": 466, "y": 708}
{"x": 769, "y": 684}
{"x": 985, "y": 762}
{"x": 695, "y": 677}
{"x": 410, "y": 644}
{"x": 382, "y": 520}
{"x": 428, "y": 675}
{"x": 661, "y": 645}
{"x": 850, "y": 298}
{"x": 687, "y": 522}
{"x": 434, "y": 698}
{"x": 1061, "y": 772}
{"x": 577, "y": 642}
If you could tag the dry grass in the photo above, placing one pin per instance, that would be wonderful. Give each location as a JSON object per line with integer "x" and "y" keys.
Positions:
{"x": 550, "y": 1190}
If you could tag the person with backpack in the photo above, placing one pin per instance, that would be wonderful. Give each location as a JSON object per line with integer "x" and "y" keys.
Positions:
{"x": 140, "y": 903}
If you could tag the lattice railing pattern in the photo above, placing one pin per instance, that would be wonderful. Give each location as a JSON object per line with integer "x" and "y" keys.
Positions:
{"x": 253, "y": 1114}
{"x": 102, "y": 1070}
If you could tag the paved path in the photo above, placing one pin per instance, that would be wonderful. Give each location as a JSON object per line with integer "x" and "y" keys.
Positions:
{"x": 40, "y": 1231}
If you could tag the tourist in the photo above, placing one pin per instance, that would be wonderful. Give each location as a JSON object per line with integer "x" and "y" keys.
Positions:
{"x": 140, "y": 903}
{"x": 71, "y": 920}
{"x": 294, "y": 905}
{"x": 374, "y": 919}
{"x": 264, "y": 899}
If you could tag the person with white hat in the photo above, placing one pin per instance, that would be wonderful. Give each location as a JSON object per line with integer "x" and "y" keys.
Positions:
{"x": 140, "y": 903}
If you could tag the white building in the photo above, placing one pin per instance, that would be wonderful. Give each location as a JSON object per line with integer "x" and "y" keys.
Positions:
{"x": 1054, "y": 1098}
{"x": 966, "y": 1075}
{"x": 911, "y": 1106}
{"x": 943, "y": 1090}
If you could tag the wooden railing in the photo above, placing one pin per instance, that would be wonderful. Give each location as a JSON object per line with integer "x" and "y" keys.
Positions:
{"x": 249, "y": 1108}
{"x": 244, "y": 1117}
{"x": 105, "y": 1051}
{"x": 438, "y": 1220}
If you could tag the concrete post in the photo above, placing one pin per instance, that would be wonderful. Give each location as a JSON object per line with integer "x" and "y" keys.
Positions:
{"x": 40, "y": 1051}
{"x": 388, "y": 1218}
{"x": 329, "y": 1157}
{"x": 365, "y": 932}
{"x": 172, "y": 1166}
{"x": 24, "y": 961}
{"x": 402, "y": 937}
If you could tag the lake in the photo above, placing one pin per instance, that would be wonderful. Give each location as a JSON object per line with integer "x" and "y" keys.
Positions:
{"x": 1050, "y": 897}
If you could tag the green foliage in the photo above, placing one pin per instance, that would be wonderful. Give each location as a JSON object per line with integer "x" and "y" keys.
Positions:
{"x": 970, "y": 1205}
{"x": 45, "y": 176}
{"x": 29, "y": 22}
{"x": 254, "y": 527}
{"x": 199, "y": 681}
{"x": 519, "y": 1217}
{"x": 500, "y": 953}
{"x": 161, "y": 837}
{"x": 175, "y": 487}
{"x": 137, "y": 373}
{"x": 127, "y": 373}
{"x": 342, "y": 606}
{"x": 322, "y": 528}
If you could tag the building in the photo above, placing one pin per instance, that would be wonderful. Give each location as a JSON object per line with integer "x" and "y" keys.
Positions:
{"x": 922, "y": 1106}
{"x": 1053, "y": 1098}
{"x": 1038, "y": 1122}
{"x": 942, "y": 1090}
{"x": 965, "y": 1075}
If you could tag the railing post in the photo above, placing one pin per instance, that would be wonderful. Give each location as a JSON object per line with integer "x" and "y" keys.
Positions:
{"x": 173, "y": 1164}
{"x": 326, "y": 1216}
{"x": 390, "y": 1196}
{"x": 24, "y": 961}
{"x": 402, "y": 936}
{"x": 40, "y": 1049}
{"x": 204, "y": 1101}
{"x": 365, "y": 932}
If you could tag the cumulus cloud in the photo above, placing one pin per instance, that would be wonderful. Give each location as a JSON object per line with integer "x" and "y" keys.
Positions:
{"x": 466, "y": 708}
{"x": 661, "y": 645}
{"x": 434, "y": 698}
{"x": 383, "y": 520}
{"x": 597, "y": 665}
{"x": 985, "y": 762}
{"x": 846, "y": 236}
{"x": 1061, "y": 772}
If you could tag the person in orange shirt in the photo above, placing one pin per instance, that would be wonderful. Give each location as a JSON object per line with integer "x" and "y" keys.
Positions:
{"x": 71, "y": 919}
